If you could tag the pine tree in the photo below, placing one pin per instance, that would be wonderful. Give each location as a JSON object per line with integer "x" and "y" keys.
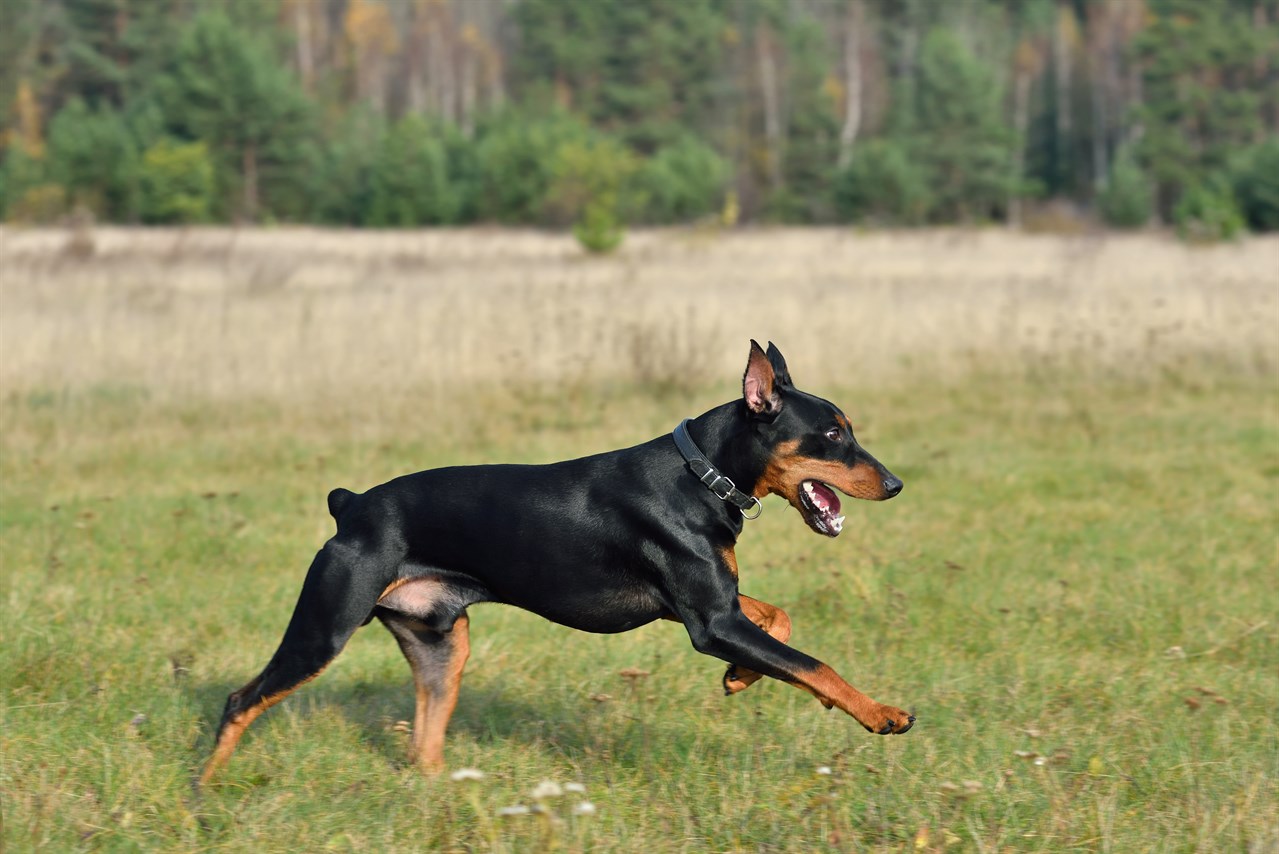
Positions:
{"x": 1202, "y": 96}
{"x": 518, "y": 152}
{"x": 228, "y": 89}
{"x": 964, "y": 107}
{"x": 957, "y": 134}
{"x": 92, "y": 156}
{"x": 410, "y": 178}
{"x": 642, "y": 70}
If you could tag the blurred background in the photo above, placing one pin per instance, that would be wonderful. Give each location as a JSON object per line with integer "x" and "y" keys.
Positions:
{"x": 1048, "y": 113}
{"x": 1030, "y": 132}
{"x": 255, "y": 249}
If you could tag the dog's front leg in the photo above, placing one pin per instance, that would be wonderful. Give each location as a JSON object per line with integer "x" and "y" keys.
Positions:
{"x": 771, "y": 619}
{"x": 729, "y": 634}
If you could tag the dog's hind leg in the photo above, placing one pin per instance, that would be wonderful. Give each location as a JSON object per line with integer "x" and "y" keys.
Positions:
{"x": 341, "y": 589}
{"x": 771, "y": 619}
{"x": 437, "y": 659}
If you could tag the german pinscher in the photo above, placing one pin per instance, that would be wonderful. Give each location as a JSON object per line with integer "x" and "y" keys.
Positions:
{"x": 603, "y": 544}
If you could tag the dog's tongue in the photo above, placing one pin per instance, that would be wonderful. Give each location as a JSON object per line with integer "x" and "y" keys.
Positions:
{"x": 826, "y": 498}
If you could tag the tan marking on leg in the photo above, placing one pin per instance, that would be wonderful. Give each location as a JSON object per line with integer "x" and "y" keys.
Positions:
{"x": 422, "y": 706}
{"x": 771, "y": 619}
{"x": 234, "y": 729}
{"x": 768, "y": 617}
{"x": 829, "y": 688}
{"x": 434, "y": 714}
{"x": 730, "y": 560}
{"x": 227, "y": 741}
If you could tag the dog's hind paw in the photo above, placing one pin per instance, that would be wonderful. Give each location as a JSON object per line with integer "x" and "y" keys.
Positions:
{"x": 732, "y": 682}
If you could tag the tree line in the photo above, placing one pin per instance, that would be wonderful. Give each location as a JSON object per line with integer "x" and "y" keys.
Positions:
{"x": 596, "y": 113}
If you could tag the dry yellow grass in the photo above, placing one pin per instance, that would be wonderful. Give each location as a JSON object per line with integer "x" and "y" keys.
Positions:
{"x": 305, "y": 314}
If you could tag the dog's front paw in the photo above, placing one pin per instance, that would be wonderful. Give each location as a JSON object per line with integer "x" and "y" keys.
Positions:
{"x": 889, "y": 720}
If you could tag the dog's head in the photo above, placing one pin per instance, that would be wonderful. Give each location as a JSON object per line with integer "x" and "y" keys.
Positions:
{"x": 808, "y": 445}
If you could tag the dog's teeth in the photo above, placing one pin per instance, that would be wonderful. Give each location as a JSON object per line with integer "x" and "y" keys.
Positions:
{"x": 839, "y": 523}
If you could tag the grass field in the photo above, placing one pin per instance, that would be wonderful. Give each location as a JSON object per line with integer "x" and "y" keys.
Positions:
{"x": 1076, "y": 592}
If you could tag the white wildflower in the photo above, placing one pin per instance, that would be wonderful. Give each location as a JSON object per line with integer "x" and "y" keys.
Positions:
{"x": 547, "y": 789}
{"x": 576, "y": 788}
{"x": 584, "y": 808}
{"x": 518, "y": 809}
{"x": 824, "y": 770}
{"x": 463, "y": 774}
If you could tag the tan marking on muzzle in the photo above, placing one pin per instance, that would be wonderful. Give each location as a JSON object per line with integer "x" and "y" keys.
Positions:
{"x": 787, "y": 470}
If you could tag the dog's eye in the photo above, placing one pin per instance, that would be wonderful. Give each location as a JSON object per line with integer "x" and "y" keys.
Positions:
{"x": 834, "y": 434}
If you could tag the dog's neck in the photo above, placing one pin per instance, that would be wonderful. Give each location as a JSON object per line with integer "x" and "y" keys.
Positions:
{"x": 725, "y": 436}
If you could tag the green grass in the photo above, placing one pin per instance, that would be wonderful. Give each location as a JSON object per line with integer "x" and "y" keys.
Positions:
{"x": 1085, "y": 573}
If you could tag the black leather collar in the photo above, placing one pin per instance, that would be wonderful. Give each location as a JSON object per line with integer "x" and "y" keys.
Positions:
{"x": 713, "y": 478}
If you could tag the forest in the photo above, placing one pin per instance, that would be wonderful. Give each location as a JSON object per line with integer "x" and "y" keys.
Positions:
{"x": 598, "y": 114}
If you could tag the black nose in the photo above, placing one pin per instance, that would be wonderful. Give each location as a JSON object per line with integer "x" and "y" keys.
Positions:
{"x": 892, "y": 486}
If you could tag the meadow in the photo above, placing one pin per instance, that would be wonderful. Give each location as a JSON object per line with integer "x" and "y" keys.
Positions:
{"x": 1075, "y": 592}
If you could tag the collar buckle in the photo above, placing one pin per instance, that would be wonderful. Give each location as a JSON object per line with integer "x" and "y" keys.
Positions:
{"x": 714, "y": 485}
{"x": 720, "y": 485}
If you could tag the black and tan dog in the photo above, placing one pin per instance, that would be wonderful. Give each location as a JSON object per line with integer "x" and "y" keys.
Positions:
{"x": 603, "y": 544}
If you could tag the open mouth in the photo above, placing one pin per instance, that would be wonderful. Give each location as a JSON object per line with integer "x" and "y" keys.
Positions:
{"x": 820, "y": 507}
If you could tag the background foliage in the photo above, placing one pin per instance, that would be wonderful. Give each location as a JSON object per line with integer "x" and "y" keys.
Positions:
{"x": 423, "y": 112}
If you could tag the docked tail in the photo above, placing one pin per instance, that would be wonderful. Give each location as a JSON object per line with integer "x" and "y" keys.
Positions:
{"x": 338, "y": 499}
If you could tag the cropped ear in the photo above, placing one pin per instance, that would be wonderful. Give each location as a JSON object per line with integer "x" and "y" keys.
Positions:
{"x": 759, "y": 385}
{"x": 778, "y": 361}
